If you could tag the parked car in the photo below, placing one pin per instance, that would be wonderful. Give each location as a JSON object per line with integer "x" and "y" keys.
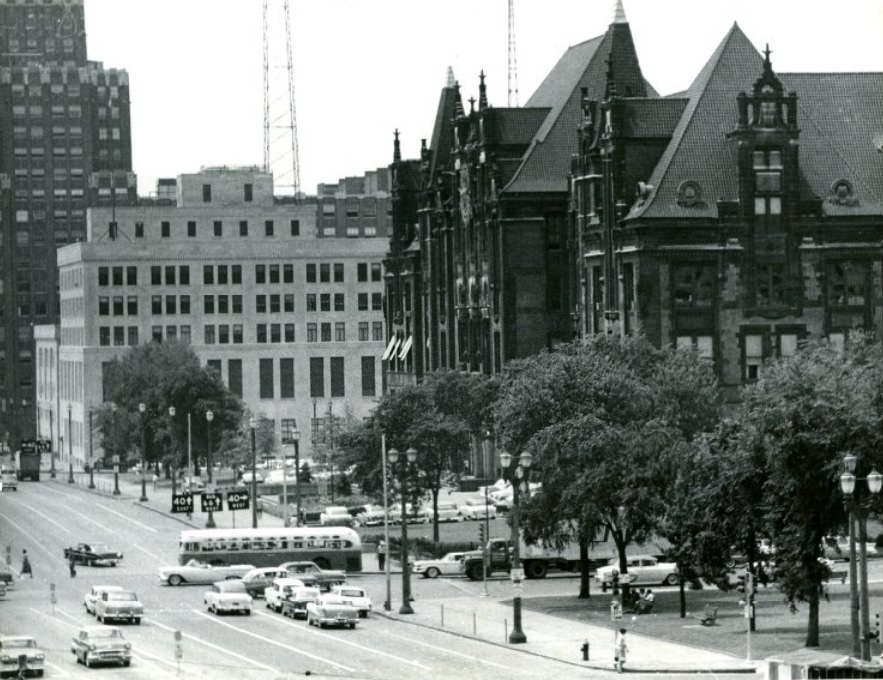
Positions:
{"x": 227, "y": 596}
{"x": 312, "y": 575}
{"x": 449, "y": 565}
{"x": 101, "y": 644}
{"x": 447, "y": 512}
{"x": 93, "y": 554}
{"x": 12, "y": 647}
{"x": 119, "y": 605}
{"x": 357, "y": 597}
{"x": 477, "y": 508}
{"x": 193, "y": 484}
{"x": 2, "y": 588}
{"x": 336, "y": 516}
{"x": 415, "y": 516}
{"x": 837, "y": 548}
{"x": 370, "y": 515}
{"x": 329, "y": 612}
{"x": 94, "y": 595}
{"x": 642, "y": 569}
{"x": 256, "y": 580}
{"x": 202, "y": 573}
{"x": 280, "y": 589}
{"x": 279, "y": 476}
{"x": 295, "y": 605}
{"x": 6, "y": 574}
{"x": 248, "y": 476}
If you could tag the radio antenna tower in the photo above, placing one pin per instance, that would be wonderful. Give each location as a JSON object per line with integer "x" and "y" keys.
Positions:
{"x": 513, "y": 61}
{"x": 280, "y": 114}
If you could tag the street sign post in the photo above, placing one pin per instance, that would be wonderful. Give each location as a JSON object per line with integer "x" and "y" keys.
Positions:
{"x": 182, "y": 503}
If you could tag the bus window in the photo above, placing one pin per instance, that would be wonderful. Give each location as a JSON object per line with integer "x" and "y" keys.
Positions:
{"x": 347, "y": 544}
{"x": 245, "y": 545}
{"x": 271, "y": 544}
{"x": 257, "y": 545}
{"x": 233, "y": 546}
{"x": 332, "y": 544}
{"x": 297, "y": 545}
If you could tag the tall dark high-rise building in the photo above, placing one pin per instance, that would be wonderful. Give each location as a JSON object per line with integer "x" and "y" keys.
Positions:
{"x": 65, "y": 145}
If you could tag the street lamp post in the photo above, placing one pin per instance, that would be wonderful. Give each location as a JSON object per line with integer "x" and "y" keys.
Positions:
{"x": 91, "y": 458}
{"x": 295, "y": 436}
{"x": 861, "y": 636}
{"x": 407, "y": 460}
{"x": 254, "y": 476}
{"x": 518, "y": 477}
{"x": 116, "y": 456}
{"x": 70, "y": 447}
{"x": 52, "y": 457}
{"x": 142, "y": 407}
{"x": 172, "y": 412}
{"x": 209, "y": 417}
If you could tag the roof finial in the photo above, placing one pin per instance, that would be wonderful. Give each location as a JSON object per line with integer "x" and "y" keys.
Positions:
{"x": 766, "y": 55}
{"x": 397, "y": 150}
{"x": 449, "y": 80}
{"x": 619, "y": 14}
{"x": 482, "y": 93}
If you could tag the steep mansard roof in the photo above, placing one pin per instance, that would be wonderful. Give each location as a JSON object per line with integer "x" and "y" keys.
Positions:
{"x": 840, "y": 117}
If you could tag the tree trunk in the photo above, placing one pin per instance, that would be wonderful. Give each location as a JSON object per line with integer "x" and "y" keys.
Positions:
{"x": 435, "y": 513}
{"x": 682, "y": 595}
{"x": 584, "y": 590}
{"x": 812, "y": 626}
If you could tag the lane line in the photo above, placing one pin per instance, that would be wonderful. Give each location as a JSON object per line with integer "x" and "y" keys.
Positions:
{"x": 444, "y": 649}
{"x": 340, "y": 640}
{"x": 148, "y": 553}
{"x": 89, "y": 519}
{"x": 274, "y": 642}
{"x": 46, "y": 517}
{"x": 30, "y": 535}
{"x": 129, "y": 519}
{"x": 216, "y": 647}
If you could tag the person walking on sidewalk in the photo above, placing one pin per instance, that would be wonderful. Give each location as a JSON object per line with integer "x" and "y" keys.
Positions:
{"x": 621, "y": 650}
{"x": 381, "y": 554}
{"x": 26, "y": 565}
{"x": 72, "y": 565}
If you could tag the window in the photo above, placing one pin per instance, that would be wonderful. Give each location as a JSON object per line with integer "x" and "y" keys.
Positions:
{"x": 170, "y": 275}
{"x": 104, "y": 336}
{"x": 191, "y": 229}
{"x": 139, "y": 229}
{"x": 377, "y": 331}
{"x": 338, "y": 272}
{"x": 223, "y": 307}
{"x": 260, "y": 304}
{"x": 260, "y": 273}
{"x": 265, "y": 372}
{"x": 377, "y": 301}
{"x": 208, "y": 304}
{"x": 771, "y": 285}
{"x": 208, "y": 274}
{"x": 132, "y": 305}
{"x": 214, "y": 365}
{"x": 206, "y": 193}
{"x": 119, "y": 336}
{"x": 224, "y": 334}
{"x": 236, "y": 274}
{"x": 249, "y": 193}
{"x": 752, "y": 347}
{"x": 317, "y": 377}
{"x": 171, "y": 333}
{"x": 311, "y": 273}
{"x": 261, "y": 333}
{"x": 287, "y": 273}
{"x": 156, "y": 304}
{"x": 703, "y": 344}
{"x": 340, "y": 331}
{"x": 325, "y": 302}
{"x": 103, "y": 276}
{"x": 363, "y": 331}
{"x": 337, "y": 377}
{"x": 274, "y": 304}
{"x": 338, "y": 302}
{"x": 312, "y": 332}
{"x": 103, "y": 306}
{"x": 237, "y": 333}
{"x": 156, "y": 276}
{"x": 131, "y": 276}
{"x": 237, "y": 304}
{"x": 156, "y": 334}
{"x": 185, "y": 334}
{"x": 362, "y": 301}
{"x": 275, "y": 333}
{"x": 311, "y": 302}
{"x": 369, "y": 386}
{"x": 324, "y": 272}
{"x": 288, "y": 302}
{"x": 243, "y": 227}
{"x": 289, "y": 332}
{"x": 274, "y": 273}
{"x": 295, "y": 227}
{"x": 117, "y": 273}
{"x": 209, "y": 332}
{"x": 118, "y": 305}
{"x": 847, "y": 284}
{"x": 375, "y": 271}
{"x": 132, "y": 336}
{"x": 218, "y": 228}
{"x": 286, "y": 378}
{"x": 362, "y": 272}
{"x": 165, "y": 229}
{"x": 693, "y": 285}
{"x": 325, "y": 328}
{"x": 268, "y": 227}
{"x": 184, "y": 275}
{"x": 788, "y": 344}
{"x": 234, "y": 376}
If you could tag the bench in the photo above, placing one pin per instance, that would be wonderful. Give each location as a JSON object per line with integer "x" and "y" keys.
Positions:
{"x": 643, "y": 607}
{"x": 709, "y": 617}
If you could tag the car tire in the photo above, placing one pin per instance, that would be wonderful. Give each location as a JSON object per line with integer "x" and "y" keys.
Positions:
{"x": 127, "y": 662}
{"x": 86, "y": 661}
{"x": 671, "y": 580}
{"x": 99, "y": 618}
{"x": 175, "y": 580}
{"x": 352, "y": 626}
{"x": 137, "y": 620}
{"x": 432, "y": 572}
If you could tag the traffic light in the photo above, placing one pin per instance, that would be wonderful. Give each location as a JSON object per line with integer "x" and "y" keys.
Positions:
{"x": 876, "y": 633}
{"x": 482, "y": 534}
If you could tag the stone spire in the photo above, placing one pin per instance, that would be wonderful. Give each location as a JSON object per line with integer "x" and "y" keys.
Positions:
{"x": 450, "y": 81}
{"x": 619, "y": 14}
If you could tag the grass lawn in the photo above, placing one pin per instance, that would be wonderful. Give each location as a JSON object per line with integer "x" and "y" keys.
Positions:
{"x": 778, "y": 630}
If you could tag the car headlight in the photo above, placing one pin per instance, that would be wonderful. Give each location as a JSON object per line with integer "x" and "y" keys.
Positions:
{"x": 92, "y": 647}
{"x": 40, "y": 657}
{"x": 119, "y": 556}
{"x": 6, "y": 659}
{"x": 127, "y": 646}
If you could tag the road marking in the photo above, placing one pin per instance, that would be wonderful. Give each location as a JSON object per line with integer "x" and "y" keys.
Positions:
{"x": 274, "y": 642}
{"x": 217, "y": 647}
{"x": 46, "y": 517}
{"x": 444, "y": 649}
{"x": 89, "y": 519}
{"x": 340, "y": 640}
{"x": 150, "y": 554}
{"x": 29, "y": 535}
{"x": 129, "y": 519}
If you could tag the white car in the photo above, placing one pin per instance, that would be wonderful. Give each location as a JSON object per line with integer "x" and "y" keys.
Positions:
{"x": 281, "y": 589}
{"x": 203, "y": 573}
{"x": 119, "y": 605}
{"x": 330, "y": 612}
{"x": 227, "y": 596}
{"x": 90, "y": 598}
{"x": 14, "y": 646}
{"x": 642, "y": 569}
{"x": 101, "y": 644}
{"x": 478, "y": 508}
{"x": 247, "y": 477}
{"x": 449, "y": 565}
{"x": 356, "y": 597}
{"x": 447, "y": 512}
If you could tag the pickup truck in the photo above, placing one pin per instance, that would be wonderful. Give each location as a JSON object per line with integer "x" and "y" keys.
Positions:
{"x": 92, "y": 554}
{"x": 535, "y": 560}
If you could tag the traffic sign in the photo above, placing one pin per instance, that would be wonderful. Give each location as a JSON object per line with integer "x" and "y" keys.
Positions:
{"x": 44, "y": 445}
{"x": 28, "y": 446}
{"x": 182, "y": 503}
{"x": 211, "y": 501}
{"x": 237, "y": 500}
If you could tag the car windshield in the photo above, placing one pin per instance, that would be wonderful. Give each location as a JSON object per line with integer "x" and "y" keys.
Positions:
{"x": 122, "y": 596}
{"x": 105, "y": 633}
{"x": 198, "y": 563}
{"x": 452, "y": 557}
{"x": 230, "y": 586}
{"x": 351, "y": 592}
{"x": 99, "y": 547}
{"x": 18, "y": 643}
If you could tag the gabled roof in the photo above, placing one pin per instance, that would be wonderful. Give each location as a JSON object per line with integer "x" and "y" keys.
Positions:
{"x": 442, "y": 132}
{"x": 839, "y": 117}
{"x": 518, "y": 126}
{"x": 546, "y": 164}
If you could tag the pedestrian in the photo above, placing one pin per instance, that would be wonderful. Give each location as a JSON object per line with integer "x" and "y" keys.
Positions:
{"x": 26, "y": 565}
{"x": 155, "y": 481}
{"x": 72, "y": 565}
{"x": 621, "y": 649}
{"x": 381, "y": 554}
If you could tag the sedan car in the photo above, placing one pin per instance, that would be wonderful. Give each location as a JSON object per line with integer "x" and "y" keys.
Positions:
{"x": 203, "y": 573}
{"x": 101, "y": 644}
{"x": 248, "y": 476}
{"x": 837, "y": 548}
{"x": 329, "y": 612}
{"x": 227, "y": 596}
{"x": 414, "y": 516}
{"x": 478, "y": 508}
{"x": 6, "y": 573}
{"x": 370, "y": 515}
{"x": 449, "y": 565}
{"x": 12, "y": 647}
{"x": 256, "y": 580}
{"x": 642, "y": 569}
{"x": 313, "y": 575}
{"x": 295, "y": 605}
{"x": 120, "y": 605}
{"x": 280, "y": 590}
{"x": 357, "y": 597}
{"x": 94, "y": 595}
{"x": 92, "y": 554}
{"x": 447, "y": 512}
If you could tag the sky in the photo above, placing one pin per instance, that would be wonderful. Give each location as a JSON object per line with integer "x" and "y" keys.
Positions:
{"x": 363, "y": 68}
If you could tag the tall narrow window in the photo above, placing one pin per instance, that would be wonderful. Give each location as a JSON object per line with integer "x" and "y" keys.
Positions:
{"x": 249, "y": 193}
{"x": 369, "y": 386}
{"x": 337, "y": 377}
{"x": 206, "y": 193}
{"x": 234, "y": 376}
{"x": 286, "y": 378}
{"x": 317, "y": 377}
{"x": 265, "y": 375}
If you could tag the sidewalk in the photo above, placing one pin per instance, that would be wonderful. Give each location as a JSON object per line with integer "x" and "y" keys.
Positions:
{"x": 487, "y": 619}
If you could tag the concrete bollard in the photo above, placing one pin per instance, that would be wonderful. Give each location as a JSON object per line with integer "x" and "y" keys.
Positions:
{"x": 585, "y": 650}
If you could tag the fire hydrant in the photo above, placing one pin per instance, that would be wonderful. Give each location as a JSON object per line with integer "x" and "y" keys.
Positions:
{"x": 585, "y": 650}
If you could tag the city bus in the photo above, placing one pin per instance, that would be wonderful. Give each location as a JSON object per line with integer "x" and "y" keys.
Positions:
{"x": 328, "y": 547}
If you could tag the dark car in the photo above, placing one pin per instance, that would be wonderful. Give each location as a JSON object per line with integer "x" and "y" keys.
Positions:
{"x": 314, "y": 576}
{"x": 256, "y": 580}
{"x": 92, "y": 554}
{"x": 5, "y": 573}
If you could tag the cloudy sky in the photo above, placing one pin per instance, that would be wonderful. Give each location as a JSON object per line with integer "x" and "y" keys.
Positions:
{"x": 363, "y": 68}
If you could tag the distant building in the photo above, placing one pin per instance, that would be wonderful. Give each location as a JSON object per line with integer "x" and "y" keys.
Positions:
{"x": 291, "y": 322}
{"x": 356, "y": 206}
{"x": 66, "y": 145}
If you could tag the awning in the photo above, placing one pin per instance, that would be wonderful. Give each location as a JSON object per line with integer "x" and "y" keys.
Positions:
{"x": 406, "y": 347}
{"x": 392, "y": 343}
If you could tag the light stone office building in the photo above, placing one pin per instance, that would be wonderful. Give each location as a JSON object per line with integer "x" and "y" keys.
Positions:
{"x": 293, "y": 323}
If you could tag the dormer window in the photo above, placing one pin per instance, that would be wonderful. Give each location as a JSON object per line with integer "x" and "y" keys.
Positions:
{"x": 768, "y": 114}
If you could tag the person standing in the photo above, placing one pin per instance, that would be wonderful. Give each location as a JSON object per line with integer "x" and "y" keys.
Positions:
{"x": 621, "y": 649}
{"x": 26, "y": 565}
{"x": 381, "y": 554}
{"x": 72, "y": 565}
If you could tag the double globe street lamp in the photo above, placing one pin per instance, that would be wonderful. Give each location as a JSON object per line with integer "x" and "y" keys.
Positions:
{"x": 142, "y": 407}
{"x": 209, "y": 417}
{"x": 518, "y": 477}
{"x": 861, "y": 641}
{"x": 407, "y": 460}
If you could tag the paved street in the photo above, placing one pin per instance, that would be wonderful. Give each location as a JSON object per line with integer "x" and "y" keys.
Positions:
{"x": 46, "y": 517}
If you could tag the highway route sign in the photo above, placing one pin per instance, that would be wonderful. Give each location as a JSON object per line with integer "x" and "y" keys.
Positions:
{"x": 237, "y": 500}
{"x": 182, "y": 503}
{"x": 211, "y": 501}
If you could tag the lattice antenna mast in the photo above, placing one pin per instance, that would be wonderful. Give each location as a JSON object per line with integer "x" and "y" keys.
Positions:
{"x": 292, "y": 110}
{"x": 513, "y": 61}
{"x": 266, "y": 45}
